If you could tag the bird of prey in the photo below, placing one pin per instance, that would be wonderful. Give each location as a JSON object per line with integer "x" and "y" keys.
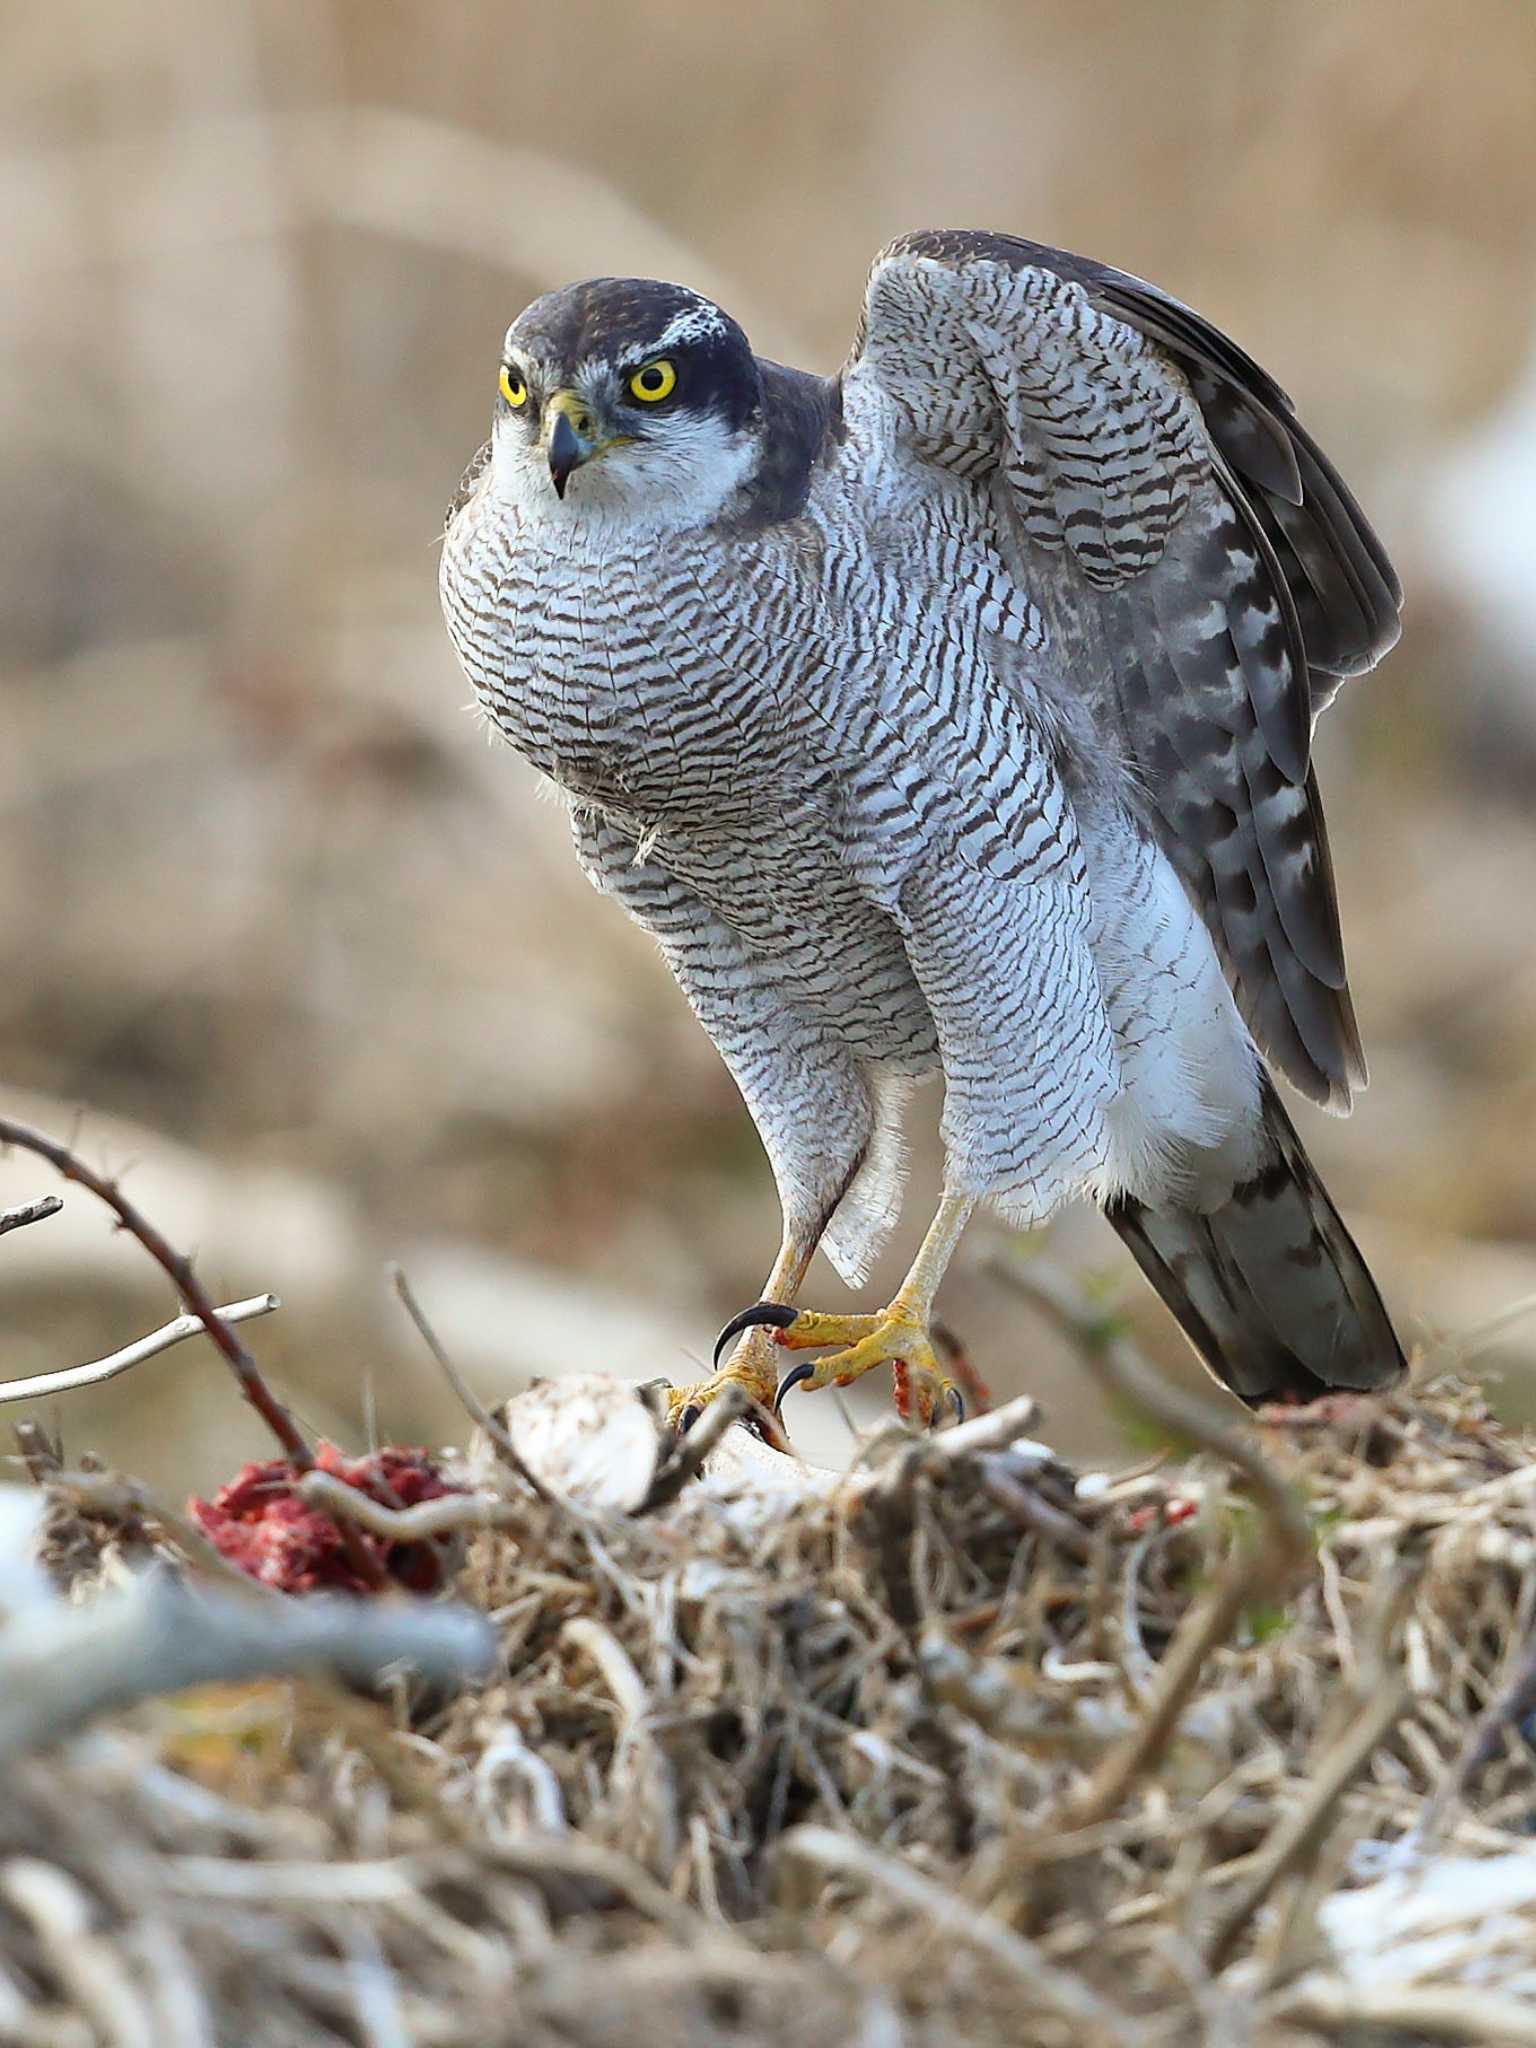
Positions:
{"x": 952, "y": 716}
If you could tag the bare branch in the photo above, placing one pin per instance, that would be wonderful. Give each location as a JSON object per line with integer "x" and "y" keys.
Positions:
{"x": 1510, "y": 1705}
{"x": 178, "y": 1269}
{"x": 1297, "y": 1837}
{"x": 674, "y": 1473}
{"x": 505, "y": 1449}
{"x": 449, "y": 1514}
{"x": 30, "y": 1212}
{"x": 1258, "y": 1569}
{"x": 74, "y": 1663}
{"x": 41, "y": 1384}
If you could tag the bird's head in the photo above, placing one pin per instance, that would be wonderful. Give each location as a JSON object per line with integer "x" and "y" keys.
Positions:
{"x": 624, "y": 400}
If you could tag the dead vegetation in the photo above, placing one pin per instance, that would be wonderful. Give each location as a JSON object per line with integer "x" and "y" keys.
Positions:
{"x": 320, "y": 961}
{"x": 961, "y": 1747}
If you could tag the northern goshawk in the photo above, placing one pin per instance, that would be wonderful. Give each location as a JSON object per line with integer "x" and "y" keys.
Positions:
{"x": 953, "y": 715}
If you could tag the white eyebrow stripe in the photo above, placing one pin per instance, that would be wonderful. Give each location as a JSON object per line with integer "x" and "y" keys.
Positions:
{"x": 695, "y": 322}
{"x": 692, "y": 324}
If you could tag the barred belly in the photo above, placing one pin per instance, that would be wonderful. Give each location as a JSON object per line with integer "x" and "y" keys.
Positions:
{"x": 782, "y": 885}
{"x": 641, "y": 698}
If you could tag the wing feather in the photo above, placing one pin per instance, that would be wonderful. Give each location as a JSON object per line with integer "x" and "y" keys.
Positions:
{"x": 1159, "y": 481}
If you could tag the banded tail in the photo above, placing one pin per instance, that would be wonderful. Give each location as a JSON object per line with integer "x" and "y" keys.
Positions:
{"x": 1270, "y": 1289}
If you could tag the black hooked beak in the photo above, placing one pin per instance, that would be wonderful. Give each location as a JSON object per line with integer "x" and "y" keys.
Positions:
{"x": 566, "y": 451}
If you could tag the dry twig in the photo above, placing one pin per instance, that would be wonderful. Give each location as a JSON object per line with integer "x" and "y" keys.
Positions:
{"x": 1031, "y": 1512}
{"x": 38, "y": 1451}
{"x": 1297, "y": 1837}
{"x": 29, "y": 1212}
{"x": 505, "y": 1450}
{"x": 109, "y": 1497}
{"x": 671, "y": 1691}
{"x": 941, "y": 1911}
{"x": 69, "y": 1664}
{"x": 450, "y": 1514}
{"x": 178, "y": 1268}
{"x": 687, "y": 1456}
{"x": 67, "y": 1380}
{"x": 1423, "y": 2012}
{"x": 1258, "y": 1569}
{"x": 1514, "y": 1701}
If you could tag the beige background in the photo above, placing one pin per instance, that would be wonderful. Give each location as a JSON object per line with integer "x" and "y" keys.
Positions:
{"x": 315, "y": 962}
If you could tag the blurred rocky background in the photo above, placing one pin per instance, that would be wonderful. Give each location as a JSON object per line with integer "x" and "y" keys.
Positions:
{"x": 287, "y": 940}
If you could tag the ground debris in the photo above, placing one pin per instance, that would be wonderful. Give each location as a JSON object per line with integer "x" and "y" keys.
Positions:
{"x": 805, "y": 1758}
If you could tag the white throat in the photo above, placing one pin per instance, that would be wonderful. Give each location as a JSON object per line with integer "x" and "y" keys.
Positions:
{"x": 686, "y": 477}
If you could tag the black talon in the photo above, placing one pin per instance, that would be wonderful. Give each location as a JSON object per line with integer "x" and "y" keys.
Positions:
{"x": 792, "y": 1379}
{"x": 957, "y": 1402}
{"x": 773, "y": 1315}
{"x": 687, "y": 1417}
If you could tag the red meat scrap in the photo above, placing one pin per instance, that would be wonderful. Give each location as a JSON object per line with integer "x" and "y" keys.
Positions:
{"x": 260, "y": 1523}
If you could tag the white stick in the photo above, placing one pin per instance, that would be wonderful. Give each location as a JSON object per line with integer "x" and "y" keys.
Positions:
{"x": 62, "y": 1666}
{"x": 69, "y": 1377}
{"x": 29, "y": 1212}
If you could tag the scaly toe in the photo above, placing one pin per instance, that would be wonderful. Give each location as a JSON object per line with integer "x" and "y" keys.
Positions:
{"x": 898, "y": 1338}
{"x": 924, "y": 1391}
{"x": 808, "y": 1330}
{"x": 686, "y": 1404}
{"x": 753, "y": 1368}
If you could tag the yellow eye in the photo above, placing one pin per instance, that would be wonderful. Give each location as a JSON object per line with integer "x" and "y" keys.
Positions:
{"x": 513, "y": 389}
{"x": 654, "y": 382}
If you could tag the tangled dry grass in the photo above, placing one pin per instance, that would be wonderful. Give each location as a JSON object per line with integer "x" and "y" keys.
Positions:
{"x": 960, "y": 1747}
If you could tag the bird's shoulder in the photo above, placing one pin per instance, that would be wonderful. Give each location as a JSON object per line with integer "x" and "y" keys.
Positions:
{"x": 803, "y": 429}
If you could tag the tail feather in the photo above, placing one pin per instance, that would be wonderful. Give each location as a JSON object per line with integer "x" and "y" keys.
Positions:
{"x": 1270, "y": 1289}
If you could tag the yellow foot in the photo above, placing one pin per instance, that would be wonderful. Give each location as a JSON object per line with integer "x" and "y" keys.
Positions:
{"x": 899, "y": 1337}
{"x": 754, "y": 1369}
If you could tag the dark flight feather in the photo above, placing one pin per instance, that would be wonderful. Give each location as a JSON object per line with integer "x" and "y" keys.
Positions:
{"x": 1218, "y": 719}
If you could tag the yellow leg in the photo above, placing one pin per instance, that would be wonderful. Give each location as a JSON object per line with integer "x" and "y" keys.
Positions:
{"x": 899, "y": 1336}
{"x": 753, "y": 1364}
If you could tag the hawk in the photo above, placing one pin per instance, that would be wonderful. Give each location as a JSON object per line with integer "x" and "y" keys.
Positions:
{"x": 952, "y": 717}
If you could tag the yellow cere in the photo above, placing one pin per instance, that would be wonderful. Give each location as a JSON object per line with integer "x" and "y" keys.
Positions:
{"x": 513, "y": 389}
{"x": 653, "y": 382}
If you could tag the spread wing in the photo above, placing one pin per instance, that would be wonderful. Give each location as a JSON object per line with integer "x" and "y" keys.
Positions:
{"x": 1207, "y": 575}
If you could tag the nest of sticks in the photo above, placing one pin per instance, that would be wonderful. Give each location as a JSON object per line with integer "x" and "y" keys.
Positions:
{"x": 960, "y": 1748}
{"x": 695, "y": 1742}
